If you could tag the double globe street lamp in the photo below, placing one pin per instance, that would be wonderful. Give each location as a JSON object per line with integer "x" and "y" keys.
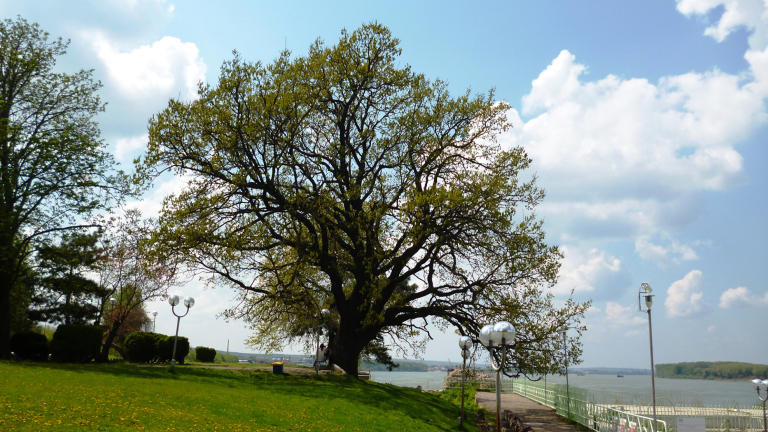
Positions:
{"x": 465, "y": 343}
{"x": 498, "y": 337}
{"x": 323, "y": 315}
{"x": 174, "y": 300}
{"x": 762, "y": 385}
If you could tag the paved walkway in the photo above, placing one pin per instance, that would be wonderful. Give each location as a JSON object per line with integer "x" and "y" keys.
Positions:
{"x": 534, "y": 414}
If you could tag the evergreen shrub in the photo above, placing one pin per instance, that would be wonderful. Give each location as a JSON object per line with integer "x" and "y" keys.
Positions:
{"x": 141, "y": 347}
{"x": 29, "y": 345}
{"x": 165, "y": 349}
{"x": 205, "y": 355}
{"x": 74, "y": 343}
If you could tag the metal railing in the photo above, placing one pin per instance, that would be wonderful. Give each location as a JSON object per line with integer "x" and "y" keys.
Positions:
{"x": 488, "y": 384}
{"x": 583, "y": 408}
{"x": 597, "y": 417}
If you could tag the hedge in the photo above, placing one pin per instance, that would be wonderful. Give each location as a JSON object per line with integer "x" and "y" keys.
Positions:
{"x": 165, "y": 349}
{"x": 73, "y": 343}
{"x": 141, "y": 347}
{"x": 29, "y": 345}
{"x": 205, "y": 355}
{"x": 148, "y": 347}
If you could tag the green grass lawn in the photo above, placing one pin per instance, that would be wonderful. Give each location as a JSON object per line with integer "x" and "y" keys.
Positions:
{"x": 61, "y": 397}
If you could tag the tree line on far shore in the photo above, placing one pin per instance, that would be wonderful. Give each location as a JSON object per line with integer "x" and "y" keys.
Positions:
{"x": 712, "y": 370}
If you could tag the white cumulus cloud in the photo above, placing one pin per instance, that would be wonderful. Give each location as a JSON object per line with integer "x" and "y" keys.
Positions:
{"x": 159, "y": 70}
{"x": 650, "y": 251}
{"x": 629, "y": 158}
{"x": 749, "y": 14}
{"x": 124, "y": 147}
{"x": 619, "y": 316}
{"x": 590, "y": 271}
{"x": 674, "y": 253}
{"x": 152, "y": 204}
{"x": 742, "y": 297}
{"x": 685, "y": 297}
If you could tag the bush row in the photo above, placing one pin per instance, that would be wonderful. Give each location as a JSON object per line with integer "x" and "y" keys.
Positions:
{"x": 82, "y": 343}
{"x": 70, "y": 344}
{"x": 148, "y": 347}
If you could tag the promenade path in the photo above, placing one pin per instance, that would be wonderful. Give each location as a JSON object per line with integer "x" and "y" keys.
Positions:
{"x": 541, "y": 418}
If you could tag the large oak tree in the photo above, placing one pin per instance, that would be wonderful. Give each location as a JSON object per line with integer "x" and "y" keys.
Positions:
{"x": 336, "y": 178}
{"x": 54, "y": 170}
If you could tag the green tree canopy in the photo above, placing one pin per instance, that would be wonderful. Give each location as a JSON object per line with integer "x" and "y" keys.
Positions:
{"x": 54, "y": 170}
{"x": 329, "y": 180}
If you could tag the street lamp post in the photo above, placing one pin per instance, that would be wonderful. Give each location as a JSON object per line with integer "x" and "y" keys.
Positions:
{"x": 465, "y": 343}
{"x": 154, "y": 320}
{"x": 498, "y": 337}
{"x": 645, "y": 292}
{"x": 567, "y": 386}
{"x": 174, "y": 300}
{"x": 762, "y": 385}
{"x": 323, "y": 313}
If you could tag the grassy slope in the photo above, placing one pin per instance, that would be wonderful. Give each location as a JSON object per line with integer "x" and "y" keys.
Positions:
{"x": 42, "y": 396}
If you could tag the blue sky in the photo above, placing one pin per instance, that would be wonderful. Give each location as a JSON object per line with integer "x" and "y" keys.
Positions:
{"x": 646, "y": 121}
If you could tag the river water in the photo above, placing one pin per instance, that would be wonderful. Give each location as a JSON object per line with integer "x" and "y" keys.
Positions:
{"x": 607, "y": 387}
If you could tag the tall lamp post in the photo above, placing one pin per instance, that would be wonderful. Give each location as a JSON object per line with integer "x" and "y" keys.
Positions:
{"x": 323, "y": 313}
{"x": 154, "y": 320}
{"x": 465, "y": 343}
{"x": 567, "y": 386}
{"x": 498, "y": 337}
{"x": 762, "y": 385}
{"x": 645, "y": 292}
{"x": 174, "y": 300}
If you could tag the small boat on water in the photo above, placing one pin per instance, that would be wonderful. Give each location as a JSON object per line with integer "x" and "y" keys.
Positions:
{"x": 619, "y": 376}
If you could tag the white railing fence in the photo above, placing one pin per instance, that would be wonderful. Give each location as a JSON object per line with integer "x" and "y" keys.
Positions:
{"x": 576, "y": 404}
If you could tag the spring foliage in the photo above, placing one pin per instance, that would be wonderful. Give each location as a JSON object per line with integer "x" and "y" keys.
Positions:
{"x": 55, "y": 171}
{"x": 333, "y": 180}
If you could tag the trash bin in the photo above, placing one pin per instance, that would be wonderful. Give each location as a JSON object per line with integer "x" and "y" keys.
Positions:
{"x": 277, "y": 368}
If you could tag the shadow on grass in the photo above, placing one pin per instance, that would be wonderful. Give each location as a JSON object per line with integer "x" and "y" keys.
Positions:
{"x": 117, "y": 369}
{"x": 330, "y": 388}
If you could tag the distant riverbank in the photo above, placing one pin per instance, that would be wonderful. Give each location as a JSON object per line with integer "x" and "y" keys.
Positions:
{"x": 687, "y": 377}
{"x": 712, "y": 371}
{"x": 607, "y": 388}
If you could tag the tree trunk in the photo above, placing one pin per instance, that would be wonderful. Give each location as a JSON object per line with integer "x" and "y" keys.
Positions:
{"x": 346, "y": 358}
{"x": 120, "y": 351}
{"x": 5, "y": 315}
{"x": 346, "y": 346}
{"x": 66, "y": 309}
{"x": 104, "y": 356}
